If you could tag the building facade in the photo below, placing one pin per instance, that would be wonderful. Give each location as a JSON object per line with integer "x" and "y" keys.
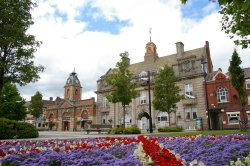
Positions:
{"x": 225, "y": 110}
{"x": 39, "y": 122}
{"x": 71, "y": 113}
{"x": 188, "y": 65}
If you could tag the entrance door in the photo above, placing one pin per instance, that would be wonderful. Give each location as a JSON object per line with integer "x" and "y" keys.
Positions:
{"x": 66, "y": 126}
{"x": 216, "y": 123}
{"x": 143, "y": 121}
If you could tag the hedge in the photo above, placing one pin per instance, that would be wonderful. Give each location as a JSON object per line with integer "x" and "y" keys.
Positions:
{"x": 170, "y": 129}
{"x": 10, "y": 129}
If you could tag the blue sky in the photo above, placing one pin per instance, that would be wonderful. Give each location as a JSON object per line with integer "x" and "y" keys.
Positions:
{"x": 97, "y": 22}
{"x": 93, "y": 16}
{"x": 198, "y": 9}
{"x": 89, "y": 35}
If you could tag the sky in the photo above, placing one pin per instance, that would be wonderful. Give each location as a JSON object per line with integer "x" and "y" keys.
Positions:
{"x": 88, "y": 35}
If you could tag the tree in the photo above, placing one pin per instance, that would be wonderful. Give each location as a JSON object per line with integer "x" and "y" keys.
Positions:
{"x": 235, "y": 20}
{"x": 166, "y": 92}
{"x": 36, "y": 106}
{"x": 121, "y": 84}
{"x": 237, "y": 78}
{"x": 12, "y": 104}
{"x": 17, "y": 48}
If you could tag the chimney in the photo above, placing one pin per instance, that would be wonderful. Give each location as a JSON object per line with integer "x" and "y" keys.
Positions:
{"x": 50, "y": 98}
{"x": 179, "y": 49}
{"x": 209, "y": 60}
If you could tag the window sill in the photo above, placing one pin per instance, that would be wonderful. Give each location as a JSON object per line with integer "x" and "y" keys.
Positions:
{"x": 225, "y": 102}
{"x": 233, "y": 123}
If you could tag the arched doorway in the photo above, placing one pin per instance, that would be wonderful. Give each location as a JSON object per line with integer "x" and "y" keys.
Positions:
{"x": 143, "y": 121}
{"x": 84, "y": 119}
{"x": 66, "y": 121}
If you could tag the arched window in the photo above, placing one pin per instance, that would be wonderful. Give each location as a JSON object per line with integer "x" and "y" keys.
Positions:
{"x": 105, "y": 102}
{"x": 143, "y": 97}
{"x": 222, "y": 95}
{"x": 162, "y": 117}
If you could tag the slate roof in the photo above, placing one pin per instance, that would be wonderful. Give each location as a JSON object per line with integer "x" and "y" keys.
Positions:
{"x": 246, "y": 72}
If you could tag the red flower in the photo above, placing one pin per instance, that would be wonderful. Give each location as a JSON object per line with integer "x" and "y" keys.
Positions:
{"x": 160, "y": 156}
{"x": 57, "y": 149}
{"x": 2, "y": 154}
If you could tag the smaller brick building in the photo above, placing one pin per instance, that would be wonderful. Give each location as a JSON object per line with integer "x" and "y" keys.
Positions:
{"x": 224, "y": 106}
{"x": 71, "y": 113}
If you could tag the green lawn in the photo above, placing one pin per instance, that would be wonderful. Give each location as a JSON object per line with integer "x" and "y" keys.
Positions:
{"x": 207, "y": 132}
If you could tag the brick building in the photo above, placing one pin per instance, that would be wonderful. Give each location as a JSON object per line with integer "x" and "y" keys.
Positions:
{"x": 71, "y": 112}
{"x": 224, "y": 106}
{"x": 187, "y": 65}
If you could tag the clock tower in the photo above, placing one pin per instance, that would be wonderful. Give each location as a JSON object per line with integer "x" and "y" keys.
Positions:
{"x": 73, "y": 89}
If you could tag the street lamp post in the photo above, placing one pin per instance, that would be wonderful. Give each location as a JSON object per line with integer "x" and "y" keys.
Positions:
{"x": 205, "y": 82}
{"x": 149, "y": 104}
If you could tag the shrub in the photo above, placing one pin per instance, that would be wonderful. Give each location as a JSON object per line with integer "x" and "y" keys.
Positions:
{"x": 116, "y": 130}
{"x": 12, "y": 129}
{"x": 132, "y": 130}
{"x": 170, "y": 129}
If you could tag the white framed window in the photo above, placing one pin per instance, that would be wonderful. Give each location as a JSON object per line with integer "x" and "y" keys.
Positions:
{"x": 162, "y": 117}
{"x": 222, "y": 95}
{"x": 233, "y": 117}
{"x": 188, "y": 90}
{"x": 190, "y": 113}
{"x": 248, "y": 99}
{"x": 248, "y": 83}
{"x": 105, "y": 102}
{"x": 143, "y": 97}
{"x": 248, "y": 115}
{"x": 128, "y": 119}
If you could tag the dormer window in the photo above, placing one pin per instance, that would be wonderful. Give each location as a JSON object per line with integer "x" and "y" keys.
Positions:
{"x": 222, "y": 95}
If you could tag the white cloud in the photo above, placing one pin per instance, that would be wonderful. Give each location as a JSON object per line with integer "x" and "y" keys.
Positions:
{"x": 68, "y": 45}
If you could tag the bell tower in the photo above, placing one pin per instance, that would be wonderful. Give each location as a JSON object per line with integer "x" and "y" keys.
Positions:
{"x": 73, "y": 89}
{"x": 151, "y": 51}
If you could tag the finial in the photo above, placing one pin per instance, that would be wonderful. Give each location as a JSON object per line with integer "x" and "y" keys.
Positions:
{"x": 74, "y": 72}
{"x": 150, "y": 29}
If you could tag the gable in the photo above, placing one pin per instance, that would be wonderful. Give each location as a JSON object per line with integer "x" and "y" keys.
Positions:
{"x": 65, "y": 104}
{"x": 220, "y": 76}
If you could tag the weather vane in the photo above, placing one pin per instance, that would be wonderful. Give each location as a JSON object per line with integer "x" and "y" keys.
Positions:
{"x": 150, "y": 29}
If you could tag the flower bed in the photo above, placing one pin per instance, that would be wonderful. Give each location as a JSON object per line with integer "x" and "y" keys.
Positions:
{"x": 211, "y": 150}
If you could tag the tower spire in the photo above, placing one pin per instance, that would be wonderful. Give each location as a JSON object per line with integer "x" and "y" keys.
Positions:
{"x": 150, "y": 30}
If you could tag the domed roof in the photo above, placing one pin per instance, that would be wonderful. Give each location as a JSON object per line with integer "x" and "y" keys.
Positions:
{"x": 151, "y": 43}
{"x": 73, "y": 79}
